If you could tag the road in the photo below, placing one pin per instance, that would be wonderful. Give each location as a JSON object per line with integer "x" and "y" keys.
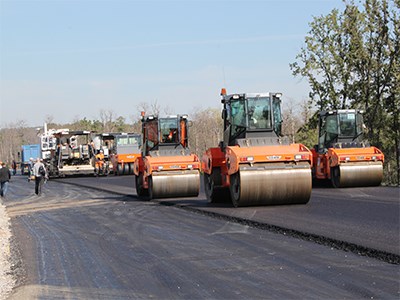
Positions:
{"x": 81, "y": 243}
{"x": 367, "y": 217}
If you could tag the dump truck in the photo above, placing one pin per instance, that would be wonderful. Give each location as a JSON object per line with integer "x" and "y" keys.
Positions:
{"x": 126, "y": 148}
{"x": 28, "y": 152}
{"x": 166, "y": 167}
{"x": 254, "y": 165}
{"x": 342, "y": 155}
{"x": 73, "y": 153}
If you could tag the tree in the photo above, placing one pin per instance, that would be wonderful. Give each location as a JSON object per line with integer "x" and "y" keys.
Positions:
{"x": 207, "y": 130}
{"x": 351, "y": 59}
{"x": 12, "y": 137}
{"x": 107, "y": 118}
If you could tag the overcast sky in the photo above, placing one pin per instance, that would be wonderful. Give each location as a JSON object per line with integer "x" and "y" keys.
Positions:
{"x": 72, "y": 59}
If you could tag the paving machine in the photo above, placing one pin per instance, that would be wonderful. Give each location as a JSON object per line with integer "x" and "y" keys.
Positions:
{"x": 166, "y": 167}
{"x": 342, "y": 155}
{"x": 254, "y": 165}
{"x": 71, "y": 155}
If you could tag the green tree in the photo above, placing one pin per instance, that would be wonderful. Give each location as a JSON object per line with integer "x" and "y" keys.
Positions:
{"x": 351, "y": 59}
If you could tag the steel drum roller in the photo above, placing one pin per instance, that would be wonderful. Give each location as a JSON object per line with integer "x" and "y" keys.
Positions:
{"x": 175, "y": 184}
{"x": 271, "y": 186}
{"x": 359, "y": 174}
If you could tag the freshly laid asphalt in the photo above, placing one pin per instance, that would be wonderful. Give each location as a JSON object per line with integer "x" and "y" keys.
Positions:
{"x": 76, "y": 242}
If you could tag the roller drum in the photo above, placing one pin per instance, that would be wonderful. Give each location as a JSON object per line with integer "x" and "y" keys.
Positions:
{"x": 271, "y": 186}
{"x": 357, "y": 174}
{"x": 175, "y": 184}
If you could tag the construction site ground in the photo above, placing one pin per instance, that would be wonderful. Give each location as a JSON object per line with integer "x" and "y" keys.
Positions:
{"x": 92, "y": 238}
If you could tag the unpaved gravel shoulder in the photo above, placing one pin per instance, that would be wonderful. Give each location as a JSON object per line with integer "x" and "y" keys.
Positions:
{"x": 7, "y": 281}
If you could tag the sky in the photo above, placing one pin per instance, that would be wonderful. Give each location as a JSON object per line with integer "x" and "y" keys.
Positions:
{"x": 71, "y": 59}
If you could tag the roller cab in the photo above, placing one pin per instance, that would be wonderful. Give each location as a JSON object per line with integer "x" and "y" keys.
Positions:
{"x": 254, "y": 165}
{"x": 342, "y": 155}
{"x": 166, "y": 167}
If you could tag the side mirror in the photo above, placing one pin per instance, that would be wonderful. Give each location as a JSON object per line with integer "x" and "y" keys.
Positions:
{"x": 190, "y": 123}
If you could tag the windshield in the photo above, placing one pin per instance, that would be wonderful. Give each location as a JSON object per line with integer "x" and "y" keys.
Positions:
{"x": 259, "y": 112}
{"x": 347, "y": 124}
{"x": 340, "y": 126}
{"x": 128, "y": 140}
{"x": 252, "y": 113}
{"x": 169, "y": 130}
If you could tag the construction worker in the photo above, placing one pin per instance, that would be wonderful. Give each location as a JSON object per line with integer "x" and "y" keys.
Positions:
{"x": 172, "y": 135}
{"x": 5, "y": 176}
{"x": 99, "y": 162}
{"x": 40, "y": 173}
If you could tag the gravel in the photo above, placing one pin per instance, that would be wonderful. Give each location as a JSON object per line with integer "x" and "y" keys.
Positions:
{"x": 7, "y": 281}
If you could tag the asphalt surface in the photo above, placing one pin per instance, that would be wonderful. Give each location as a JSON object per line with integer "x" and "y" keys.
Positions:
{"x": 367, "y": 217}
{"x": 75, "y": 242}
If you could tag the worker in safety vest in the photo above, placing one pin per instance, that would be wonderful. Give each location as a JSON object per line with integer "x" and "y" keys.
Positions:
{"x": 100, "y": 167}
{"x": 99, "y": 159}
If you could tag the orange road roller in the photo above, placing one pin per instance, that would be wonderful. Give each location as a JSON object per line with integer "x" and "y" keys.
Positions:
{"x": 254, "y": 165}
{"x": 342, "y": 155}
{"x": 166, "y": 167}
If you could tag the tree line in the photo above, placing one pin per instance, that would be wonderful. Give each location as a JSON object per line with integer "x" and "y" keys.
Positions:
{"x": 206, "y": 130}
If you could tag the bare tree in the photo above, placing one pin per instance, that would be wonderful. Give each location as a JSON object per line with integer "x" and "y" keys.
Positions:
{"x": 12, "y": 137}
{"x": 107, "y": 119}
{"x": 207, "y": 130}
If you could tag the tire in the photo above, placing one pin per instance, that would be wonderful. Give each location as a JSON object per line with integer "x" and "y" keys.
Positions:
{"x": 335, "y": 177}
{"x": 107, "y": 171}
{"x": 131, "y": 168}
{"x": 140, "y": 191}
{"x": 215, "y": 194}
{"x": 120, "y": 170}
{"x": 234, "y": 189}
{"x": 126, "y": 169}
{"x": 150, "y": 191}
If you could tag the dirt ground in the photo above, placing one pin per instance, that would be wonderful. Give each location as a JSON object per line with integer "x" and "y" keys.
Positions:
{"x": 7, "y": 281}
